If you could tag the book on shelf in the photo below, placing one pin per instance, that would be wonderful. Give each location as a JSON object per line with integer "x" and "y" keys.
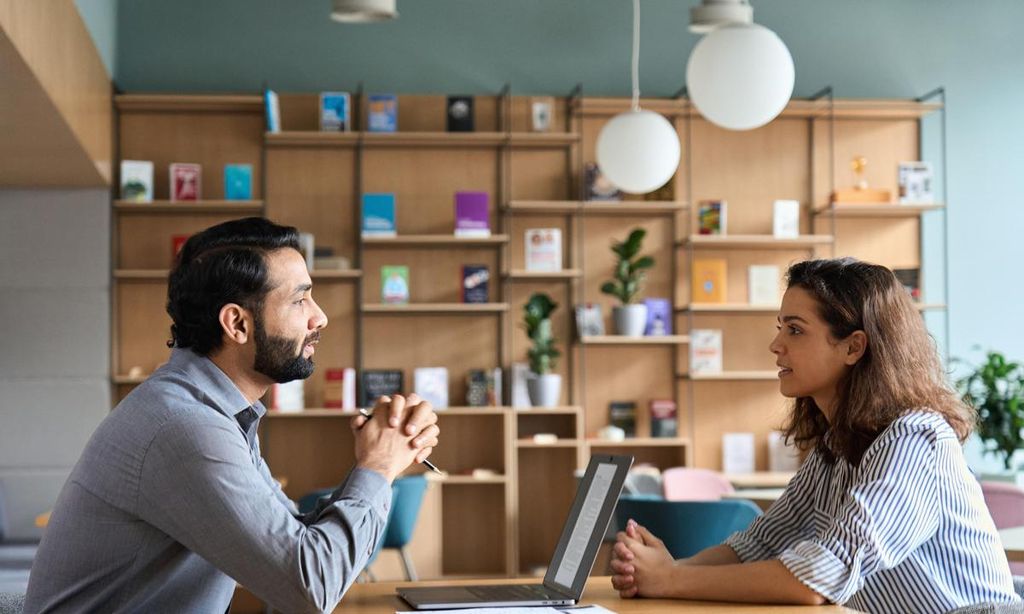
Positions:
{"x": 431, "y": 384}
{"x": 763, "y": 281}
{"x": 520, "y": 395}
{"x": 272, "y": 110}
{"x": 712, "y": 217}
{"x": 543, "y": 249}
{"x": 705, "y": 351}
{"x": 786, "y": 219}
{"x": 782, "y": 456}
{"x": 472, "y": 217}
{"x": 915, "y": 183}
{"x": 324, "y": 259}
{"x": 238, "y": 182}
{"x": 475, "y": 278}
{"x": 382, "y": 113}
{"x": 177, "y": 242}
{"x": 394, "y": 284}
{"x": 483, "y": 387}
{"x": 599, "y": 187}
{"x": 376, "y": 383}
{"x": 186, "y": 181}
{"x": 540, "y": 113}
{"x": 589, "y": 320}
{"x": 289, "y": 397}
{"x": 910, "y": 279}
{"x": 663, "y": 418}
{"x": 379, "y": 215}
{"x": 738, "y": 453}
{"x": 137, "y": 180}
{"x": 708, "y": 281}
{"x": 307, "y": 247}
{"x": 460, "y": 114}
{"x": 335, "y": 112}
{"x": 659, "y": 317}
{"x": 622, "y": 414}
{"x": 340, "y": 389}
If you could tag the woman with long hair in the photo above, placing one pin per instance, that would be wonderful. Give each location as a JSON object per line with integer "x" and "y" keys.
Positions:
{"x": 883, "y": 515}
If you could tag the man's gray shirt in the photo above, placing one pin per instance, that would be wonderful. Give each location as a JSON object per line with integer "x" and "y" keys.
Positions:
{"x": 171, "y": 504}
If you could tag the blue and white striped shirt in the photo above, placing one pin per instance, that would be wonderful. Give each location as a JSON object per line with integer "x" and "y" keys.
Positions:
{"x": 905, "y": 531}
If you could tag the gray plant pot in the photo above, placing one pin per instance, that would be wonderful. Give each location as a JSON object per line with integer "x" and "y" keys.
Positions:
{"x": 544, "y": 390}
{"x": 630, "y": 320}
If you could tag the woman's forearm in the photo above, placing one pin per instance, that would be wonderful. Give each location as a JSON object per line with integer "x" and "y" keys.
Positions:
{"x": 715, "y": 555}
{"x": 762, "y": 581}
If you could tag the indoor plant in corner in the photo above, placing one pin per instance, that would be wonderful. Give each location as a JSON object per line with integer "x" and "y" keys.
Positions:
{"x": 995, "y": 389}
{"x": 630, "y": 271}
{"x": 543, "y": 386}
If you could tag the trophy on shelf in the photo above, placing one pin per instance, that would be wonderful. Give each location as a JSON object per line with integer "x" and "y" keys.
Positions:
{"x": 861, "y": 192}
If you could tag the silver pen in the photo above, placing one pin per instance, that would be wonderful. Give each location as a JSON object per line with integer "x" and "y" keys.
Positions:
{"x": 426, "y": 462}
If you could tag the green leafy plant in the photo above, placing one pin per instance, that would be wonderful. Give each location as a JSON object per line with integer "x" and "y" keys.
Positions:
{"x": 630, "y": 270}
{"x": 537, "y": 322}
{"x": 996, "y": 389}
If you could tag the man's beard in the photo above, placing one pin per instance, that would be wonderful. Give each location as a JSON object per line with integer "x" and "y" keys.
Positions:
{"x": 275, "y": 356}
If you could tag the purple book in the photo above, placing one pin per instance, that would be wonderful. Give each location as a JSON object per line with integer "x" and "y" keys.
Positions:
{"x": 472, "y": 218}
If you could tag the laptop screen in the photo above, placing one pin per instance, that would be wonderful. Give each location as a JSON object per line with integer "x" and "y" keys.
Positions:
{"x": 587, "y": 522}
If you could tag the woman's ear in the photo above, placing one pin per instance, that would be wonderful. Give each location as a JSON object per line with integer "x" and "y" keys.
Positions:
{"x": 236, "y": 323}
{"x": 856, "y": 345}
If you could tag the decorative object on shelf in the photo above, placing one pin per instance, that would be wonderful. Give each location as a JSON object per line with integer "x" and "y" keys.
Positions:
{"x": 483, "y": 387}
{"x": 186, "y": 181}
{"x": 543, "y": 249}
{"x": 910, "y": 279}
{"x": 334, "y": 112}
{"x": 659, "y": 317}
{"x": 540, "y": 113}
{"x": 394, "y": 284}
{"x": 272, "y": 110}
{"x": 136, "y": 372}
{"x": 740, "y": 76}
{"x": 611, "y": 433}
{"x": 177, "y": 242}
{"x": 995, "y": 388}
{"x": 382, "y": 113}
{"x": 663, "y": 418}
{"x": 712, "y": 217}
{"x": 786, "y": 219}
{"x": 307, "y": 247}
{"x": 782, "y": 456}
{"x": 861, "y": 192}
{"x": 379, "y": 215}
{"x": 915, "y": 181}
{"x": 472, "y": 215}
{"x": 630, "y": 272}
{"x": 238, "y": 182}
{"x": 363, "y": 11}
{"x": 340, "y": 389}
{"x": 545, "y": 439}
{"x": 326, "y": 261}
{"x": 599, "y": 188}
{"x": 431, "y": 383}
{"x": 638, "y": 150}
{"x": 589, "y": 320}
{"x": 137, "y": 180}
{"x": 708, "y": 280}
{"x": 460, "y": 114}
{"x": 377, "y": 383}
{"x": 622, "y": 414}
{"x": 475, "y": 279}
{"x": 738, "y": 453}
{"x": 289, "y": 397}
{"x": 543, "y": 386}
{"x": 705, "y": 351}
{"x": 763, "y": 282}
{"x": 520, "y": 394}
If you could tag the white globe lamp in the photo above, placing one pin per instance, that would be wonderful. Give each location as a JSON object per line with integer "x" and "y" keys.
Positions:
{"x": 740, "y": 76}
{"x": 638, "y": 151}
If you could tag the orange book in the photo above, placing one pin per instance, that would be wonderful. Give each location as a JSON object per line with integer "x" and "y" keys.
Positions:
{"x": 708, "y": 279}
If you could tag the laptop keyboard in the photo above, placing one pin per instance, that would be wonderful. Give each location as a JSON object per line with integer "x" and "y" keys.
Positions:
{"x": 513, "y": 592}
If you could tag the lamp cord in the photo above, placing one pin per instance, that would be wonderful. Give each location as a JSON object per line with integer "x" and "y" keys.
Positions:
{"x": 636, "y": 55}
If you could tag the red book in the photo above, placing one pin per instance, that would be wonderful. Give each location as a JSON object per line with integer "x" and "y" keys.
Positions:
{"x": 186, "y": 181}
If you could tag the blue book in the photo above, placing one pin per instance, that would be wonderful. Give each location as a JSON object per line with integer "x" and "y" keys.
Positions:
{"x": 379, "y": 215}
{"x": 238, "y": 181}
{"x": 272, "y": 110}
{"x": 382, "y": 115}
{"x": 334, "y": 111}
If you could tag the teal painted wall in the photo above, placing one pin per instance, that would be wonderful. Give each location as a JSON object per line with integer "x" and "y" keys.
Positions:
{"x": 100, "y": 17}
{"x": 864, "y": 48}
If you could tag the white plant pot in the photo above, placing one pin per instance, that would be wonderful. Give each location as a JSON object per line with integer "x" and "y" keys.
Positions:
{"x": 630, "y": 320}
{"x": 544, "y": 390}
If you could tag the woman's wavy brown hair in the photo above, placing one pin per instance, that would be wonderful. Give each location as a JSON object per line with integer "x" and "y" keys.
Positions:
{"x": 899, "y": 372}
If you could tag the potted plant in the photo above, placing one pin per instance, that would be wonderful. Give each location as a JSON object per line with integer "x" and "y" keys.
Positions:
{"x": 543, "y": 386}
{"x": 996, "y": 389}
{"x": 630, "y": 271}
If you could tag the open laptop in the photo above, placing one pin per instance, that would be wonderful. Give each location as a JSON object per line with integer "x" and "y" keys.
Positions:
{"x": 574, "y": 557}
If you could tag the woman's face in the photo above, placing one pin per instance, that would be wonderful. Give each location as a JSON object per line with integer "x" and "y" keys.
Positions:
{"x": 810, "y": 361}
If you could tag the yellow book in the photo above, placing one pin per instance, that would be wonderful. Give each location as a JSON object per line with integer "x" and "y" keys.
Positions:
{"x": 709, "y": 276}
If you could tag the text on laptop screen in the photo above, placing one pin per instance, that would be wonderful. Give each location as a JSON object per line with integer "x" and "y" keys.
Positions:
{"x": 584, "y": 528}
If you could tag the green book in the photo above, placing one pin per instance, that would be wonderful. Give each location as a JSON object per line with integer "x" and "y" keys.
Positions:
{"x": 394, "y": 284}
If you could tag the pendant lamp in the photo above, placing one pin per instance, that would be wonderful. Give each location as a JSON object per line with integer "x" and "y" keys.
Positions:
{"x": 363, "y": 11}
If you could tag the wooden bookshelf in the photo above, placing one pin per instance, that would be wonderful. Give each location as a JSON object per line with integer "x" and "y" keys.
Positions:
{"x": 719, "y": 308}
{"x": 435, "y": 241}
{"x": 732, "y": 376}
{"x": 535, "y": 276}
{"x": 436, "y": 308}
{"x": 739, "y": 241}
{"x": 875, "y": 210}
{"x": 231, "y": 207}
{"x": 625, "y": 340}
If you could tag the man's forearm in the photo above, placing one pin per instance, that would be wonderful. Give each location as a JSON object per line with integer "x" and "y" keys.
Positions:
{"x": 715, "y": 555}
{"x": 761, "y": 581}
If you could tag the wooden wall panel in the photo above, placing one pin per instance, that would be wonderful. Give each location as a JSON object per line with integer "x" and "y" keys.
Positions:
{"x": 546, "y": 491}
{"x": 742, "y": 407}
{"x": 143, "y": 326}
{"x": 435, "y": 274}
{"x": 474, "y": 529}
{"x": 541, "y": 174}
{"x": 144, "y": 240}
{"x": 637, "y": 374}
{"x": 337, "y": 348}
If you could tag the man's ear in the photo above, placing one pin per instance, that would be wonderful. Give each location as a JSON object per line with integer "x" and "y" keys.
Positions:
{"x": 236, "y": 322}
{"x": 856, "y": 345}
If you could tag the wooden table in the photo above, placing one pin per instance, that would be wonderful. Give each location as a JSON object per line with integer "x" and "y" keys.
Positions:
{"x": 380, "y": 598}
{"x": 1013, "y": 543}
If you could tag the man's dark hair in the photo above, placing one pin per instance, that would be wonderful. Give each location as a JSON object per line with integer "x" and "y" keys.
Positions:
{"x": 223, "y": 264}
